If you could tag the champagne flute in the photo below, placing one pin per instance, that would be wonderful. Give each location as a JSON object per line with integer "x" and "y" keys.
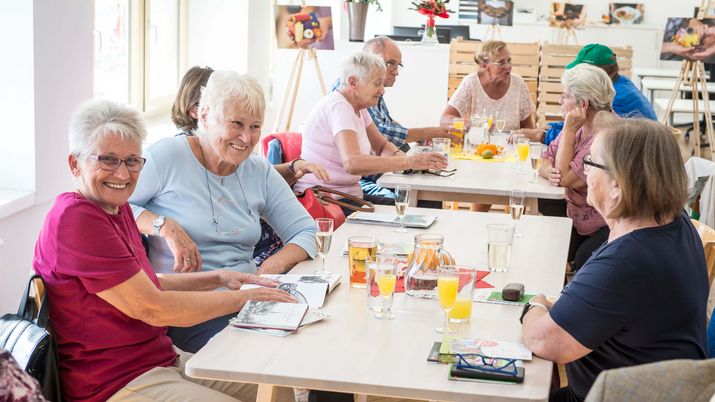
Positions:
{"x": 501, "y": 123}
{"x": 535, "y": 157}
{"x": 402, "y": 200}
{"x": 323, "y": 236}
{"x": 516, "y": 207}
{"x": 447, "y": 289}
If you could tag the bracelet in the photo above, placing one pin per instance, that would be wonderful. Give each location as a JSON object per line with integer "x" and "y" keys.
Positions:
{"x": 528, "y": 307}
{"x": 291, "y": 166}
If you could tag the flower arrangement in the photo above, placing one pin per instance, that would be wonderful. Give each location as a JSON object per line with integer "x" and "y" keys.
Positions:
{"x": 432, "y": 8}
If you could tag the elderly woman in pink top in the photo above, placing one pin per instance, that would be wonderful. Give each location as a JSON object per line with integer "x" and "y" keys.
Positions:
{"x": 340, "y": 135}
{"x": 493, "y": 90}
{"x": 587, "y": 90}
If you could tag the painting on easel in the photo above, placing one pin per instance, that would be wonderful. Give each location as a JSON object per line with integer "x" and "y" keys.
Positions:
{"x": 304, "y": 27}
{"x": 567, "y": 15}
{"x": 626, "y": 13}
{"x": 689, "y": 39}
{"x": 495, "y": 12}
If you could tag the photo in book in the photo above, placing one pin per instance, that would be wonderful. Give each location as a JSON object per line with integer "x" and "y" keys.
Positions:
{"x": 689, "y": 39}
{"x": 499, "y": 12}
{"x": 567, "y": 15}
{"x": 626, "y": 13}
{"x": 304, "y": 27}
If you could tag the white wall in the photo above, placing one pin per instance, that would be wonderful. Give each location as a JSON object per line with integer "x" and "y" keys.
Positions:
{"x": 61, "y": 66}
{"x": 217, "y": 32}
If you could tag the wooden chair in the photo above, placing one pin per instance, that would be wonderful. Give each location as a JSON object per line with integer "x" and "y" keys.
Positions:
{"x": 553, "y": 62}
{"x": 524, "y": 56}
{"x": 707, "y": 235}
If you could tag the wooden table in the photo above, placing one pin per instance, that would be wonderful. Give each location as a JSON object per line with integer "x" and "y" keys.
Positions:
{"x": 476, "y": 181}
{"x": 353, "y": 352}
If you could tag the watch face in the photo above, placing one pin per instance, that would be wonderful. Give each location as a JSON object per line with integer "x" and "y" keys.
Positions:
{"x": 158, "y": 221}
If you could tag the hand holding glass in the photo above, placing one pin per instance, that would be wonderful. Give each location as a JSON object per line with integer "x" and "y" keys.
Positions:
{"x": 402, "y": 200}
{"x": 447, "y": 289}
{"x": 323, "y": 236}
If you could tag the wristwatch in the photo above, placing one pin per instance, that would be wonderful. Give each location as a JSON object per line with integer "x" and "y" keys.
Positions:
{"x": 158, "y": 223}
{"x": 291, "y": 166}
{"x": 529, "y": 306}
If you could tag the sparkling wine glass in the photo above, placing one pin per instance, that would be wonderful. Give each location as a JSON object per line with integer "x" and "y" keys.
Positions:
{"x": 447, "y": 289}
{"x": 535, "y": 157}
{"x": 323, "y": 236}
{"x": 501, "y": 123}
{"x": 516, "y": 207}
{"x": 402, "y": 200}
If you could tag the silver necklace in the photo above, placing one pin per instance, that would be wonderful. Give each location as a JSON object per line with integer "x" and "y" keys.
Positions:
{"x": 208, "y": 187}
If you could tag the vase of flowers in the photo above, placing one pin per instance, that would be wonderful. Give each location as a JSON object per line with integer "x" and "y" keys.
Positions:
{"x": 431, "y": 8}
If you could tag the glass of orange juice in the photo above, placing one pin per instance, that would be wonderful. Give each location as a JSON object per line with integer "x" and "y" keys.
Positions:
{"x": 381, "y": 282}
{"x": 522, "y": 151}
{"x": 447, "y": 289}
{"x": 462, "y": 309}
{"x": 360, "y": 248}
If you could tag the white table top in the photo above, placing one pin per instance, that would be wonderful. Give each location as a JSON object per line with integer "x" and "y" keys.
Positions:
{"x": 683, "y": 105}
{"x": 653, "y": 84}
{"x": 353, "y": 352}
{"x": 656, "y": 72}
{"x": 476, "y": 177}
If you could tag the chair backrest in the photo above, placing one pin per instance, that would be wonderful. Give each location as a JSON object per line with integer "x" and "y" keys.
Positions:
{"x": 291, "y": 143}
{"x": 707, "y": 236}
{"x": 524, "y": 57}
{"x": 553, "y": 61}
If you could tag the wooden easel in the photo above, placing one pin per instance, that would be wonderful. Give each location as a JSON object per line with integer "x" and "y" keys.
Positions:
{"x": 692, "y": 74}
{"x": 564, "y": 33}
{"x": 291, "y": 90}
{"x": 493, "y": 32}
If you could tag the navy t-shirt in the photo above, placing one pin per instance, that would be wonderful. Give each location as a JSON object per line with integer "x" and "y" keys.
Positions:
{"x": 640, "y": 298}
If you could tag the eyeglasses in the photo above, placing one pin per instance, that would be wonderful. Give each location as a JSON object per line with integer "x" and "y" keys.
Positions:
{"x": 393, "y": 65}
{"x": 501, "y": 63}
{"x": 474, "y": 361}
{"x": 111, "y": 163}
{"x": 588, "y": 162}
{"x": 442, "y": 173}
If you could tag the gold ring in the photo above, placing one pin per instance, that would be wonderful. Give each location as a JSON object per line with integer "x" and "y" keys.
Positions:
{"x": 187, "y": 259}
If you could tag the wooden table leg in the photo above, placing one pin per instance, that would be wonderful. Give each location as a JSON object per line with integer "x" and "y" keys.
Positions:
{"x": 414, "y": 197}
{"x": 266, "y": 393}
{"x": 532, "y": 206}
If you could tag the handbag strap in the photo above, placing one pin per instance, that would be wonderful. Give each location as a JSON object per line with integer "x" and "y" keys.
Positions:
{"x": 364, "y": 206}
{"x": 43, "y": 313}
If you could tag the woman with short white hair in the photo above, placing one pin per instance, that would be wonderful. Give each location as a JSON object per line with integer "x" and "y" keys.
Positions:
{"x": 587, "y": 90}
{"x": 340, "y": 135}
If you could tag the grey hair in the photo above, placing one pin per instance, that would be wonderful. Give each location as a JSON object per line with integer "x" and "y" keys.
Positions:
{"x": 376, "y": 45}
{"x": 361, "y": 65}
{"x": 94, "y": 120}
{"x": 587, "y": 82}
{"x": 226, "y": 88}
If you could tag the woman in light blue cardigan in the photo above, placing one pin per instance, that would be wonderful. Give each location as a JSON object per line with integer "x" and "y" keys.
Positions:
{"x": 200, "y": 198}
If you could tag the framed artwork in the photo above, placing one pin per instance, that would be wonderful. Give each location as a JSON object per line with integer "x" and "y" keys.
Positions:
{"x": 626, "y": 13}
{"x": 304, "y": 27}
{"x": 567, "y": 15}
{"x": 689, "y": 39}
{"x": 500, "y": 12}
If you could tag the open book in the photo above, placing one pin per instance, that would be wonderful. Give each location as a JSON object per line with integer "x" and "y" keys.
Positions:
{"x": 270, "y": 314}
{"x": 307, "y": 289}
{"x": 410, "y": 221}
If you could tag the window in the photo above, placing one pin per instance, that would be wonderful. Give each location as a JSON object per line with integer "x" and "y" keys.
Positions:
{"x": 140, "y": 50}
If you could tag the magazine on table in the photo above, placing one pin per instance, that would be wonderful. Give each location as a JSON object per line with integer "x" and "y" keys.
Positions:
{"x": 311, "y": 317}
{"x": 270, "y": 315}
{"x": 486, "y": 347}
{"x": 332, "y": 279}
{"x": 391, "y": 219}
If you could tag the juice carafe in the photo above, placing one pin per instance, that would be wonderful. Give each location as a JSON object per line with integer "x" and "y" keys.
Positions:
{"x": 421, "y": 274}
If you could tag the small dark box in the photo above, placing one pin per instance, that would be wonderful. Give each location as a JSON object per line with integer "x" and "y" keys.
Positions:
{"x": 512, "y": 292}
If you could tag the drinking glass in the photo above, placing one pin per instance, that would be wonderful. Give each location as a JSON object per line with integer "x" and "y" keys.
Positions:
{"x": 402, "y": 200}
{"x": 382, "y": 278}
{"x": 441, "y": 145}
{"x": 535, "y": 157}
{"x": 499, "y": 238}
{"x": 447, "y": 289}
{"x": 516, "y": 207}
{"x": 522, "y": 150}
{"x": 360, "y": 248}
{"x": 457, "y": 131}
{"x": 323, "y": 236}
{"x": 501, "y": 123}
{"x": 515, "y": 137}
{"x": 462, "y": 310}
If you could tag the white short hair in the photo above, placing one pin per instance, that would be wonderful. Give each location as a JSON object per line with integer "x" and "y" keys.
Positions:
{"x": 587, "y": 82}
{"x": 94, "y": 120}
{"x": 361, "y": 65}
{"x": 226, "y": 88}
